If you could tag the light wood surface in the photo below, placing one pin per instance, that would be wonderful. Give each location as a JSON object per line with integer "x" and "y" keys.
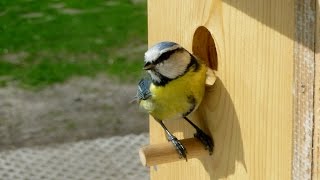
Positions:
{"x": 316, "y": 134}
{"x": 249, "y": 109}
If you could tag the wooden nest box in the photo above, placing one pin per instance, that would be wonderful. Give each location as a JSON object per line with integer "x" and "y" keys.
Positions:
{"x": 263, "y": 111}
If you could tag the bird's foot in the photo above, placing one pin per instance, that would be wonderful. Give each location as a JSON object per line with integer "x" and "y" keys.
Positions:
{"x": 205, "y": 140}
{"x": 179, "y": 146}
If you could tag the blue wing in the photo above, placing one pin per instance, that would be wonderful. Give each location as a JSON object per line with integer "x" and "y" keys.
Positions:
{"x": 143, "y": 91}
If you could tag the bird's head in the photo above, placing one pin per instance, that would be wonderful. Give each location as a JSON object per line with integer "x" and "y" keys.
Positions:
{"x": 166, "y": 61}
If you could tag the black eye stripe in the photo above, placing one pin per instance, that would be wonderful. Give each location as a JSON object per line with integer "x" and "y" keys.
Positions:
{"x": 166, "y": 56}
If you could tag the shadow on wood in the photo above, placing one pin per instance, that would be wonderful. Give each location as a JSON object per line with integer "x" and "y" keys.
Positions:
{"x": 273, "y": 13}
{"x": 218, "y": 115}
{"x": 249, "y": 111}
{"x": 218, "y": 112}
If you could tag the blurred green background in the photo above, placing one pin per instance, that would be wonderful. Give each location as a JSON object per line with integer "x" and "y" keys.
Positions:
{"x": 68, "y": 70}
{"x": 48, "y": 41}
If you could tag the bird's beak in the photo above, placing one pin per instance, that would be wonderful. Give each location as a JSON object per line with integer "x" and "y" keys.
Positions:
{"x": 148, "y": 66}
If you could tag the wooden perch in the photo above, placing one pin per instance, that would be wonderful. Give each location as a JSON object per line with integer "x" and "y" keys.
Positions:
{"x": 164, "y": 153}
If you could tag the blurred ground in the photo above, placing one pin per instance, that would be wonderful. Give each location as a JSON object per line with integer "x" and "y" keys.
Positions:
{"x": 114, "y": 158}
{"x": 68, "y": 70}
{"x": 80, "y": 108}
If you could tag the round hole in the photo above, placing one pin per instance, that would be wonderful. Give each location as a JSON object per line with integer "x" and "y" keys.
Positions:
{"x": 203, "y": 46}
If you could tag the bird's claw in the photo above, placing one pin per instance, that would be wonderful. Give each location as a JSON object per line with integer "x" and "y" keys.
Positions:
{"x": 179, "y": 147}
{"x": 205, "y": 140}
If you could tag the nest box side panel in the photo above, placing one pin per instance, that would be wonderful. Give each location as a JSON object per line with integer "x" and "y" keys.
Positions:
{"x": 249, "y": 110}
{"x": 316, "y": 131}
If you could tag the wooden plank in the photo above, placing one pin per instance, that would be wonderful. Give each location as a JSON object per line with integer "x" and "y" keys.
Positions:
{"x": 316, "y": 131}
{"x": 249, "y": 110}
{"x": 303, "y": 89}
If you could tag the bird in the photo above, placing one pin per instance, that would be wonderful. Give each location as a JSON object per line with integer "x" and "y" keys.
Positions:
{"x": 173, "y": 88}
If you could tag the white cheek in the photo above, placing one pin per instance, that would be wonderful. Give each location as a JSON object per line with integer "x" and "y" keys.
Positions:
{"x": 175, "y": 66}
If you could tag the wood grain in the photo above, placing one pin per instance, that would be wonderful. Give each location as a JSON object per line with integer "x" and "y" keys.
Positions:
{"x": 316, "y": 131}
{"x": 304, "y": 63}
{"x": 249, "y": 110}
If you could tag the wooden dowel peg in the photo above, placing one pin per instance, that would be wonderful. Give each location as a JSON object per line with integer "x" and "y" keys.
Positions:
{"x": 164, "y": 153}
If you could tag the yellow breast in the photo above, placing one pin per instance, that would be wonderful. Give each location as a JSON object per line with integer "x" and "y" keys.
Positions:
{"x": 171, "y": 101}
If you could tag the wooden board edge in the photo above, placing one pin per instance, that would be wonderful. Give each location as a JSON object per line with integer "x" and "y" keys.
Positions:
{"x": 316, "y": 131}
{"x": 304, "y": 78}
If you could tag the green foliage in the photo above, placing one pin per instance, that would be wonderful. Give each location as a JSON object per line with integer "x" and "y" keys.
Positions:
{"x": 61, "y": 39}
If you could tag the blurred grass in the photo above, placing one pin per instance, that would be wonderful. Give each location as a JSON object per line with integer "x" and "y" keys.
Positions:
{"x": 48, "y": 41}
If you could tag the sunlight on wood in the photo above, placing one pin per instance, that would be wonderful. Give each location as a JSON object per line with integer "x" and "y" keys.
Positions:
{"x": 248, "y": 111}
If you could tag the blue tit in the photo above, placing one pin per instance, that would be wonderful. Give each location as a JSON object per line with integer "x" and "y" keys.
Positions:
{"x": 174, "y": 88}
